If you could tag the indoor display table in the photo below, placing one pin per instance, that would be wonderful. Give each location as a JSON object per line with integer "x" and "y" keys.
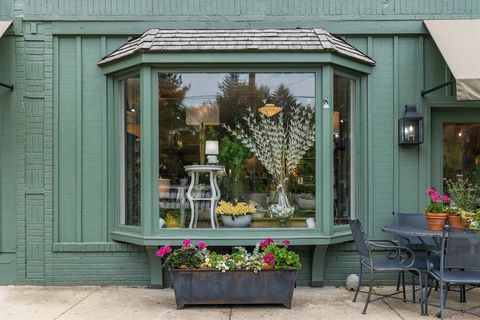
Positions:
{"x": 194, "y": 171}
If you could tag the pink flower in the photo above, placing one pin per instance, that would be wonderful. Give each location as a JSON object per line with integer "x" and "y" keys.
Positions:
{"x": 163, "y": 250}
{"x": 286, "y": 242}
{"x": 446, "y": 198}
{"x": 435, "y": 197}
{"x": 430, "y": 191}
{"x": 269, "y": 258}
{"x": 266, "y": 242}
{"x": 201, "y": 245}
{"x": 186, "y": 243}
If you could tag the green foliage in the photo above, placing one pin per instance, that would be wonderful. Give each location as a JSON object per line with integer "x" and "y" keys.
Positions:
{"x": 232, "y": 153}
{"x": 184, "y": 258}
{"x": 462, "y": 192}
{"x": 284, "y": 258}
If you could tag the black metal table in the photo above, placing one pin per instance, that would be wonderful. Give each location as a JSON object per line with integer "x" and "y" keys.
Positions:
{"x": 420, "y": 233}
{"x": 412, "y": 231}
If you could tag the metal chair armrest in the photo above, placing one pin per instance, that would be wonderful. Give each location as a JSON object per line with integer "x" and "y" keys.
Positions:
{"x": 406, "y": 255}
{"x": 383, "y": 241}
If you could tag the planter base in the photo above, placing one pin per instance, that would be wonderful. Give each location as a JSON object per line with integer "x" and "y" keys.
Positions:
{"x": 233, "y": 287}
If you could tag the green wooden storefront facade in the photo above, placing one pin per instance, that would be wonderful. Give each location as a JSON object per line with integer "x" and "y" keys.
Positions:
{"x": 56, "y": 213}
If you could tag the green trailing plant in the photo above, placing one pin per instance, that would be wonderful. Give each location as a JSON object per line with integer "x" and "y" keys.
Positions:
{"x": 472, "y": 218}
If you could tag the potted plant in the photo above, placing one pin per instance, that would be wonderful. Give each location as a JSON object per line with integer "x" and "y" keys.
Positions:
{"x": 455, "y": 218}
{"x": 172, "y": 218}
{"x": 305, "y": 201}
{"x": 200, "y": 276}
{"x": 235, "y": 215}
{"x": 436, "y": 212}
{"x": 233, "y": 154}
{"x": 463, "y": 195}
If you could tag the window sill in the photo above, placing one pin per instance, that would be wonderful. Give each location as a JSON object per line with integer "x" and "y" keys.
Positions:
{"x": 233, "y": 237}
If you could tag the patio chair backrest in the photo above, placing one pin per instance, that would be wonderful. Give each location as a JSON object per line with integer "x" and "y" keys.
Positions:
{"x": 462, "y": 249}
{"x": 360, "y": 238}
{"x": 416, "y": 220}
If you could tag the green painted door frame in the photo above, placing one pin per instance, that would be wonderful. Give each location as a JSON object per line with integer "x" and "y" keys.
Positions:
{"x": 453, "y": 114}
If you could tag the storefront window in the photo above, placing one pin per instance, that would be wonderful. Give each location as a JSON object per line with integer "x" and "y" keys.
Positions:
{"x": 197, "y": 107}
{"x": 344, "y": 93}
{"x": 131, "y": 184}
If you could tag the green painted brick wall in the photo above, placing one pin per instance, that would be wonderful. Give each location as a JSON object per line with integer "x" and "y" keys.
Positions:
{"x": 57, "y": 192}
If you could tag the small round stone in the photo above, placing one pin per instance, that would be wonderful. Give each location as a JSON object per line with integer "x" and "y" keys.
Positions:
{"x": 352, "y": 283}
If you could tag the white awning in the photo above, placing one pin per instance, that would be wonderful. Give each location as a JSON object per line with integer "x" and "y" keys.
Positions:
{"x": 459, "y": 44}
{"x": 4, "y": 26}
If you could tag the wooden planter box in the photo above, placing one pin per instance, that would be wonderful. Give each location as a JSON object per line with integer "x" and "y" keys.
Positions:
{"x": 233, "y": 287}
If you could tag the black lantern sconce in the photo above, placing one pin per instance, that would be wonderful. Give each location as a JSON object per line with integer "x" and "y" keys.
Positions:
{"x": 410, "y": 126}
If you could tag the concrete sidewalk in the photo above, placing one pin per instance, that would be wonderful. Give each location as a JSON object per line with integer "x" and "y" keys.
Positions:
{"x": 64, "y": 303}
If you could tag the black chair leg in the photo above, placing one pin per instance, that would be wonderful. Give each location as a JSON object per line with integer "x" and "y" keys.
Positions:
{"x": 463, "y": 294}
{"x": 403, "y": 287}
{"x": 398, "y": 280}
{"x": 359, "y": 283}
{"x": 414, "y": 296}
{"x": 428, "y": 289}
{"x": 443, "y": 300}
{"x": 369, "y": 293}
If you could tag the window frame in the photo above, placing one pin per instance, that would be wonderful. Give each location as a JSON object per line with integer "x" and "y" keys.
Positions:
{"x": 149, "y": 233}
{"x": 356, "y": 135}
{"x": 119, "y": 146}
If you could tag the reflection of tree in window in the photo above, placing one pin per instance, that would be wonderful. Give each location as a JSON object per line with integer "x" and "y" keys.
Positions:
{"x": 235, "y": 95}
{"x": 172, "y": 128}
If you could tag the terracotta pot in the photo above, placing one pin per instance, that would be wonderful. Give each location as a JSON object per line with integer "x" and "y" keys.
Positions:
{"x": 436, "y": 221}
{"x": 457, "y": 222}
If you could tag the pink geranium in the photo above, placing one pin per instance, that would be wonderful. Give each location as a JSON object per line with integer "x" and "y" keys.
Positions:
{"x": 269, "y": 258}
{"x": 266, "y": 242}
{"x": 186, "y": 243}
{"x": 446, "y": 198}
{"x": 435, "y": 197}
{"x": 163, "y": 251}
{"x": 201, "y": 245}
{"x": 286, "y": 242}
{"x": 430, "y": 191}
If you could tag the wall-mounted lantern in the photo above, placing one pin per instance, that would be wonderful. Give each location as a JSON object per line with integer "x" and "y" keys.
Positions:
{"x": 410, "y": 126}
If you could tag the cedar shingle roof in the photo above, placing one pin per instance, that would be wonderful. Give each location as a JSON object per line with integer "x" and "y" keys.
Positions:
{"x": 236, "y": 40}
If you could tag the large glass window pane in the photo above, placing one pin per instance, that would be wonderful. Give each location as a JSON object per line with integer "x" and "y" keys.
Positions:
{"x": 344, "y": 94}
{"x": 130, "y": 96}
{"x": 195, "y": 108}
{"x": 461, "y": 151}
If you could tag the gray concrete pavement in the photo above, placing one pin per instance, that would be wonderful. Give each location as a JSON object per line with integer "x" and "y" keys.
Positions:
{"x": 38, "y": 303}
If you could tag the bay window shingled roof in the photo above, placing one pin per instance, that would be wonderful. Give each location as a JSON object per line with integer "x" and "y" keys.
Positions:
{"x": 236, "y": 40}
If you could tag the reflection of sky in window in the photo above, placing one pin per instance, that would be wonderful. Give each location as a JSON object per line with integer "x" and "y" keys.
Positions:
{"x": 204, "y": 86}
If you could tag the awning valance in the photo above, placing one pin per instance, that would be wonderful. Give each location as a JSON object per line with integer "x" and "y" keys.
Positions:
{"x": 459, "y": 44}
{"x": 4, "y": 26}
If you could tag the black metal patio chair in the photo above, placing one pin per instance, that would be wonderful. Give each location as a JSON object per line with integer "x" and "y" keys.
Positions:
{"x": 397, "y": 258}
{"x": 459, "y": 264}
{"x": 417, "y": 220}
